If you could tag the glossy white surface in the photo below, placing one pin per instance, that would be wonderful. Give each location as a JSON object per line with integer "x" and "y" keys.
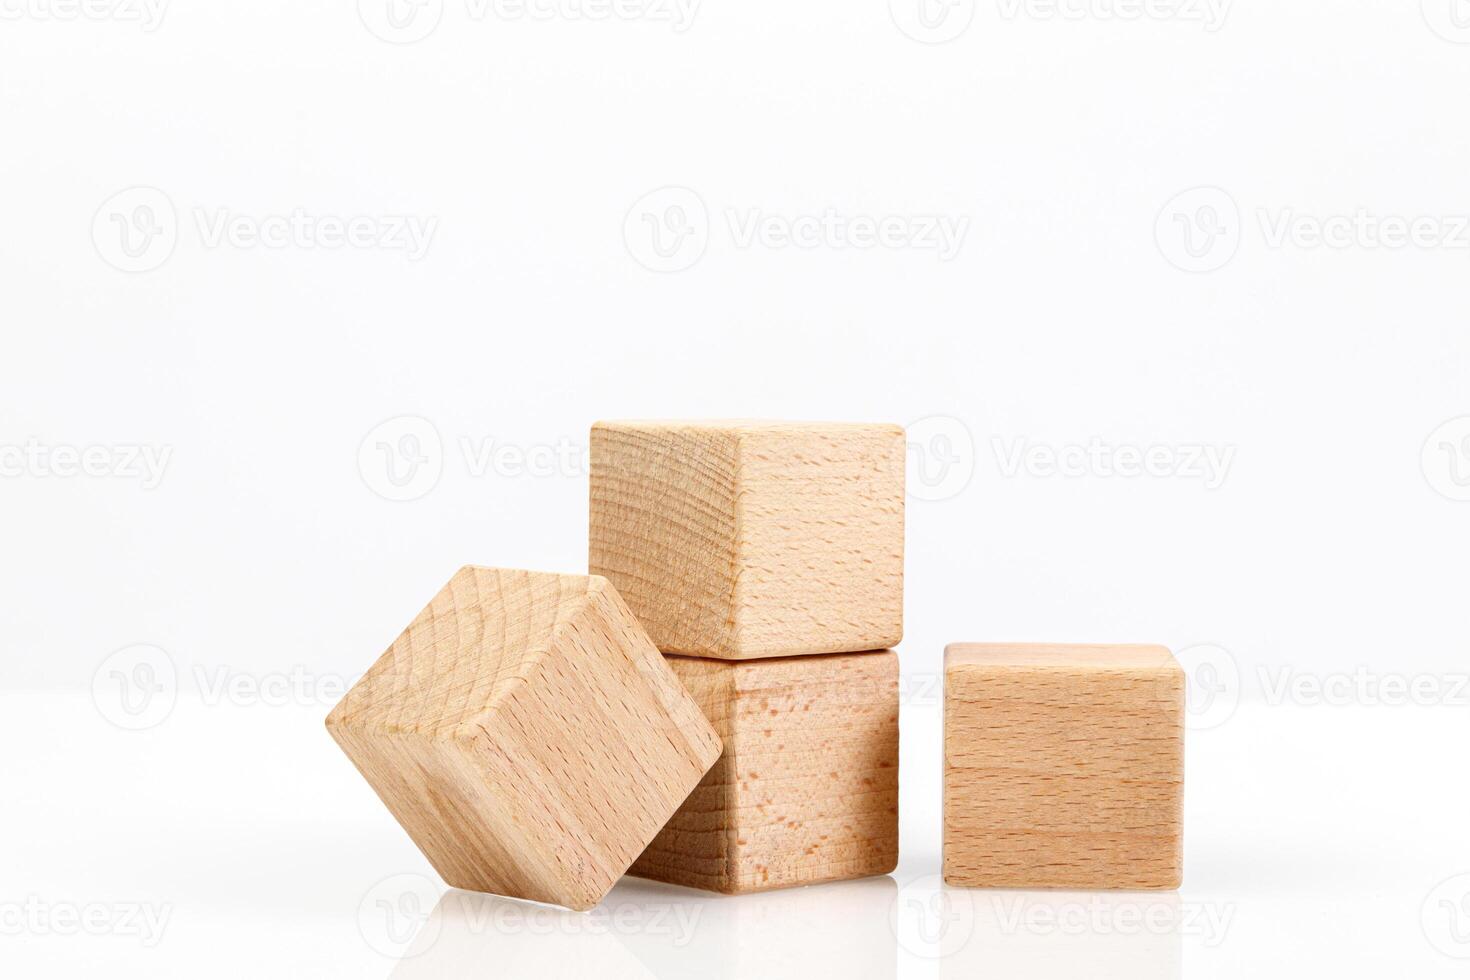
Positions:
{"x": 237, "y": 841}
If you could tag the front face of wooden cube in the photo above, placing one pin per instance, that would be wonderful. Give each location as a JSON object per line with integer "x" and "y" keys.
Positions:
{"x": 746, "y": 540}
{"x": 807, "y": 788}
{"x": 1063, "y": 767}
{"x": 527, "y": 735}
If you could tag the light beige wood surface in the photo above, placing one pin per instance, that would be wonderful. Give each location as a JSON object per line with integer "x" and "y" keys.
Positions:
{"x": 527, "y": 734}
{"x": 1063, "y": 766}
{"x": 807, "y": 787}
{"x": 741, "y": 540}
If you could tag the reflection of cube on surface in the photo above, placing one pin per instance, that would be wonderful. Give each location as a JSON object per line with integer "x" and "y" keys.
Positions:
{"x": 1063, "y": 766}
{"x": 740, "y": 540}
{"x": 807, "y": 788}
{"x": 527, "y": 735}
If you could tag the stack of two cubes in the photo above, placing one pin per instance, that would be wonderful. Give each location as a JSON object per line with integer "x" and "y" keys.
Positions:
{"x": 532, "y": 736}
{"x": 766, "y": 561}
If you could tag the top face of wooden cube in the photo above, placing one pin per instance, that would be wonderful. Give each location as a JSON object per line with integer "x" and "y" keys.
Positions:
{"x": 485, "y": 631}
{"x": 1063, "y": 766}
{"x": 527, "y": 734}
{"x": 739, "y": 540}
{"x": 1059, "y": 656}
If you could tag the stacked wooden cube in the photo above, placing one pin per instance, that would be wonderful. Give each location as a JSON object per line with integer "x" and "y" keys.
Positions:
{"x": 766, "y": 561}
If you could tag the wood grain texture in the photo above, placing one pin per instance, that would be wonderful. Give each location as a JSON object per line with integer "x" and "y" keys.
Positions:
{"x": 527, "y": 734}
{"x": 807, "y": 787}
{"x": 1063, "y": 766}
{"x": 742, "y": 540}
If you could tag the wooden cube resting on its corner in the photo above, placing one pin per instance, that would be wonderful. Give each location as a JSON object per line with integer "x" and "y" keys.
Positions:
{"x": 807, "y": 788}
{"x": 739, "y": 540}
{"x": 527, "y": 735}
{"x": 1063, "y": 766}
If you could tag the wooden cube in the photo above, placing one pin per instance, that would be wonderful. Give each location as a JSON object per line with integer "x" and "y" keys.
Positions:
{"x": 739, "y": 540}
{"x": 1063, "y": 766}
{"x": 807, "y": 787}
{"x": 527, "y": 735}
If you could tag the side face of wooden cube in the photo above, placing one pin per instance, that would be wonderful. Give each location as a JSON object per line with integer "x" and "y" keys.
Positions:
{"x": 662, "y": 529}
{"x": 807, "y": 788}
{"x": 1063, "y": 767}
{"x": 744, "y": 540}
{"x": 527, "y": 735}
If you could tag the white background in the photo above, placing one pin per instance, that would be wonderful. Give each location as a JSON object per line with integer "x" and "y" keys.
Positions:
{"x": 1231, "y": 232}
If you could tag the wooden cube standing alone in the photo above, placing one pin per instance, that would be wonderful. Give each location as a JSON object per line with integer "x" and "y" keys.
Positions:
{"x": 1063, "y": 766}
{"x": 739, "y": 540}
{"x": 807, "y": 788}
{"x": 527, "y": 735}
